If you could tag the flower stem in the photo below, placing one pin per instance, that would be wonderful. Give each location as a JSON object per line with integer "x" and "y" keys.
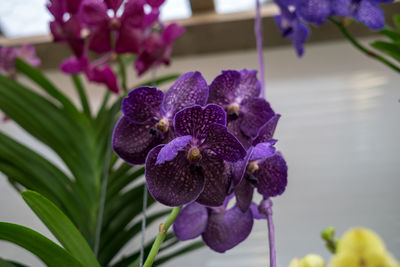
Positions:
{"x": 122, "y": 71}
{"x": 259, "y": 40}
{"x": 271, "y": 239}
{"x": 163, "y": 229}
{"x": 82, "y": 95}
{"x": 362, "y": 48}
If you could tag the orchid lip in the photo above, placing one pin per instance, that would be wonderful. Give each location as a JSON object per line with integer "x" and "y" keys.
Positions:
{"x": 194, "y": 154}
{"x": 252, "y": 167}
{"x": 162, "y": 125}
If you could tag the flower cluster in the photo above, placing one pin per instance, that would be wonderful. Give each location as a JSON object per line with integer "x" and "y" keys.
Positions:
{"x": 110, "y": 28}
{"x": 295, "y": 14}
{"x": 8, "y": 55}
{"x": 204, "y": 145}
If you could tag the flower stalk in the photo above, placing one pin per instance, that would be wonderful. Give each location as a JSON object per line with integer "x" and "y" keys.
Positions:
{"x": 362, "y": 48}
{"x": 162, "y": 233}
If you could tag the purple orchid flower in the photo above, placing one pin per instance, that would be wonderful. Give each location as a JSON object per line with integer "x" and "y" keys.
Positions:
{"x": 291, "y": 26}
{"x": 127, "y": 27}
{"x": 368, "y": 12}
{"x": 8, "y": 55}
{"x": 193, "y": 166}
{"x": 263, "y": 168}
{"x": 238, "y": 93}
{"x": 220, "y": 228}
{"x": 149, "y": 113}
{"x": 97, "y": 71}
{"x": 157, "y": 48}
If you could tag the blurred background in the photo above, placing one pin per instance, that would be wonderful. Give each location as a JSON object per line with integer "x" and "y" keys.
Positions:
{"x": 339, "y": 130}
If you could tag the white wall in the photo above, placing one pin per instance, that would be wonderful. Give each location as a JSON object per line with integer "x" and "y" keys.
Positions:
{"x": 338, "y": 132}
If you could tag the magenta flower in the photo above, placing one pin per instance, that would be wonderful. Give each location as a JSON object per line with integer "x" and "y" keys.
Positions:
{"x": 157, "y": 48}
{"x": 238, "y": 93}
{"x": 220, "y": 228}
{"x": 8, "y": 55}
{"x": 192, "y": 167}
{"x": 148, "y": 115}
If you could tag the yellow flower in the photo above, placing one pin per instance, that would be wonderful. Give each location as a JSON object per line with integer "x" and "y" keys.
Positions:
{"x": 361, "y": 247}
{"x": 310, "y": 260}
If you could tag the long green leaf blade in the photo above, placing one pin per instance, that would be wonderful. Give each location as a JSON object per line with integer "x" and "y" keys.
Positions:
{"x": 48, "y": 251}
{"x": 61, "y": 227}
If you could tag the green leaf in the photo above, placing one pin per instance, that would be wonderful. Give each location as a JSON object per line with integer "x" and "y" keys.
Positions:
{"x": 8, "y": 263}
{"x": 396, "y": 20}
{"x": 82, "y": 94}
{"x": 393, "y": 50}
{"x": 391, "y": 34}
{"x": 61, "y": 227}
{"x": 48, "y": 251}
{"x": 37, "y": 76}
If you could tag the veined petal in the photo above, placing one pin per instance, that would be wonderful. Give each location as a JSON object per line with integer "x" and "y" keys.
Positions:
{"x": 133, "y": 13}
{"x": 272, "y": 176}
{"x": 234, "y": 128}
{"x": 369, "y": 13}
{"x": 267, "y": 131}
{"x": 191, "y": 222}
{"x": 170, "y": 150}
{"x": 190, "y": 89}
{"x": 196, "y": 120}
{"x": 222, "y": 89}
{"x": 341, "y": 7}
{"x": 314, "y": 11}
{"x": 132, "y": 141}
{"x": 217, "y": 178}
{"x": 249, "y": 85}
{"x": 256, "y": 112}
{"x": 244, "y": 194}
{"x": 173, "y": 183}
{"x": 263, "y": 150}
{"x": 238, "y": 170}
{"x": 223, "y": 143}
{"x": 225, "y": 230}
{"x": 142, "y": 104}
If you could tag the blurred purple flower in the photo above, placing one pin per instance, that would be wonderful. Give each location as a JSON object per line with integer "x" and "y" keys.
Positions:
{"x": 157, "y": 48}
{"x": 238, "y": 93}
{"x": 220, "y": 228}
{"x": 192, "y": 167}
{"x": 148, "y": 115}
{"x": 8, "y": 55}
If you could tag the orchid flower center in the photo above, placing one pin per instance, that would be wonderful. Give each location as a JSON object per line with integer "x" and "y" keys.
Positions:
{"x": 114, "y": 23}
{"x": 85, "y": 32}
{"x": 194, "y": 154}
{"x": 162, "y": 125}
{"x": 252, "y": 167}
{"x": 233, "y": 108}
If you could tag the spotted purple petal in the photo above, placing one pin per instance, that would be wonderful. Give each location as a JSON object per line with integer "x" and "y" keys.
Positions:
{"x": 217, "y": 178}
{"x": 249, "y": 85}
{"x": 174, "y": 183}
{"x": 170, "y": 150}
{"x": 341, "y": 7}
{"x": 244, "y": 194}
{"x": 238, "y": 170}
{"x": 256, "y": 112}
{"x": 223, "y": 143}
{"x": 132, "y": 141}
{"x": 142, "y": 104}
{"x": 267, "y": 131}
{"x": 196, "y": 120}
{"x": 222, "y": 89}
{"x": 272, "y": 176}
{"x": 225, "y": 230}
{"x": 190, "y": 89}
{"x": 314, "y": 11}
{"x": 263, "y": 150}
{"x": 191, "y": 222}
{"x": 234, "y": 128}
{"x": 369, "y": 13}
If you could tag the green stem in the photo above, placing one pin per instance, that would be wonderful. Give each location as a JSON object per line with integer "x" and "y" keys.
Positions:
{"x": 82, "y": 94}
{"x": 362, "y": 48}
{"x": 161, "y": 236}
{"x": 122, "y": 71}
